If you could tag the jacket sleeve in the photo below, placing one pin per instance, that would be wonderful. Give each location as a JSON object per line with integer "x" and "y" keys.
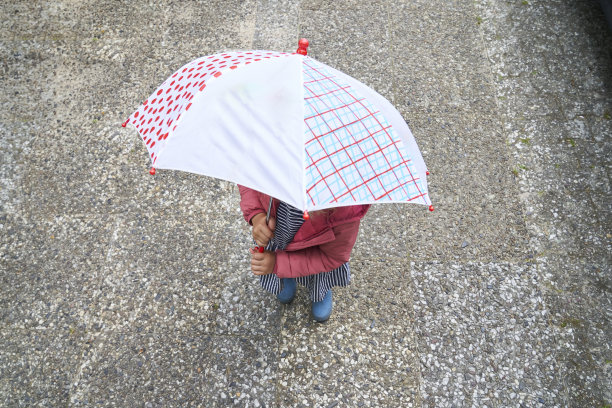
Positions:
{"x": 321, "y": 258}
{"x": 249, "y": 203}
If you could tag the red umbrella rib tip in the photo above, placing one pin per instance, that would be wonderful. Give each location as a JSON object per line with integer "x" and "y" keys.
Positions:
{"x": 152, "y": 171}
{"x": 431, "y": 208}
{"x": 124, "y": 124}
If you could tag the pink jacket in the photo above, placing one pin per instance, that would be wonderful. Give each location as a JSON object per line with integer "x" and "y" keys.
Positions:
{"x": 324, "y": 242}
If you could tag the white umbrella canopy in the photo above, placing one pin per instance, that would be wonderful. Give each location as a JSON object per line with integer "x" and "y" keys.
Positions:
{"x": 286, "y": 125}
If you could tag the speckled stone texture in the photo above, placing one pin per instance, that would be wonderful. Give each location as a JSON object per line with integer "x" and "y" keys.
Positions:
{"x": 122, "y": 289}
{"x": 551, "y": 65}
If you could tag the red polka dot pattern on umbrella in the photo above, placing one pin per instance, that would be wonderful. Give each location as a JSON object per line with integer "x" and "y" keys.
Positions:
{"x": 159, "y": 114}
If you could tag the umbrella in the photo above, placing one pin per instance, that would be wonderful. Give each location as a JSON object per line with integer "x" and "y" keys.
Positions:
{"x": 284, "y": 124}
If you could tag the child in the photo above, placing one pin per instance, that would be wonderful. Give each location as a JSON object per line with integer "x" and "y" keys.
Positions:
{"x": 313, "y": 252}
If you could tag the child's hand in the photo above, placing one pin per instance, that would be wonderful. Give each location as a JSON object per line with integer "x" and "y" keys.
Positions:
{"x": 262, "y": 263}
{"x": 262, "y": 232}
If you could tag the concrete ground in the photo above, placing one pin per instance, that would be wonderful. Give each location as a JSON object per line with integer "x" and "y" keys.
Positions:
{"x": 122, "y": 289}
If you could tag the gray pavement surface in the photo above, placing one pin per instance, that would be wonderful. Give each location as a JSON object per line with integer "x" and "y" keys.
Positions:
{"x": 122, "y": 289}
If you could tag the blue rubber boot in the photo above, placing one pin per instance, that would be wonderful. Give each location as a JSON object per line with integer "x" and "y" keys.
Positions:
{"x": 322, "y": 310}
{"x": 287, "y": 294}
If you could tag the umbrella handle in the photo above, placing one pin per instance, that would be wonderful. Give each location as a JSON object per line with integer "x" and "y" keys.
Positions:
{"x": 261, "y": 249}
{"x": 269, "y": 210}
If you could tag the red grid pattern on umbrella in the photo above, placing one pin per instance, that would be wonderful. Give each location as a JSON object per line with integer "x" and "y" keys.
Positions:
{"x": 159, "y": 114}
{"x": 353, "y": 154}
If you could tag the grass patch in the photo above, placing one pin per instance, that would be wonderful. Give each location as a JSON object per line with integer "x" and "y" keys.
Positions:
{"x": 517, "y": 168}
{"x": 573, "y": 322}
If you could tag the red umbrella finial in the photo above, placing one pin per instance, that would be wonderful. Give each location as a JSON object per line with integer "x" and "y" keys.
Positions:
{"x": 302, "y": 45}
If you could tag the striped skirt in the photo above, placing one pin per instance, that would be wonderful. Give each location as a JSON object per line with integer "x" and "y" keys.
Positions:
{"x": 288, "y": 221}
